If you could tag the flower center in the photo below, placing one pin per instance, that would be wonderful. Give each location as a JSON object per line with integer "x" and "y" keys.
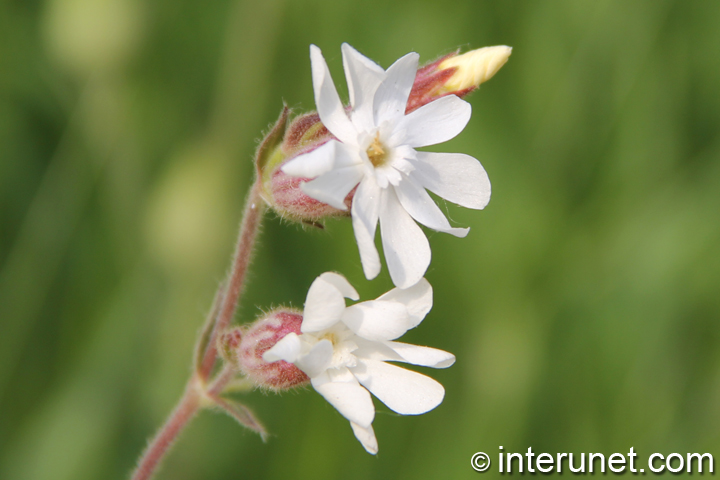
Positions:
{"x": 376, "y": 153}
{"x": 342, "y": 349}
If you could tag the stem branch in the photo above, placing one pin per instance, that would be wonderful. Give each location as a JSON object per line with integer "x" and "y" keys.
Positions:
{"x": 217, "y": 386}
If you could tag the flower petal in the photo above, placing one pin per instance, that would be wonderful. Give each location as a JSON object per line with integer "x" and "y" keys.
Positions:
{"x": 455, "y": 177}
{"x": 392, "y": 94}
{"x": 403, "y": 158}
{"x": 416, "y": 201}
{"x": 329, "y": 107}
{"x": 341, "y": 283}
{"x": 373, "y": 350}
{"x": 366, "y": 437}
{"x": 326, "y": 157}
{"x": 312, "y": 164}
{"x": 403, "y": 391}
{"x": 334, "y": 186}
{"x": 407, "y": 251}
{"x": 418, "y": 300}
{"x": 387, "y": 175}
{"x": 287, "y": 348}
{"x": 377, "y": 320}
{"x": 436, "y": 122}
{"x": 347, "y": 396}
{"x": 317, "y": 360}
{"x": 365, "y": 207}
{"x": 424, "y": 356}
{"x": 363, "y": 78}
{"x": 402, "y": 352}
{"x": 324, "y": 306}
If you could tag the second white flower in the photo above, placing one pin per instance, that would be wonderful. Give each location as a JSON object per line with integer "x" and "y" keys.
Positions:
{"x": 344, "y": 349}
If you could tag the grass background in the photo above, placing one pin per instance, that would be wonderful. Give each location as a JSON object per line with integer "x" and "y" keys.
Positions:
{"x": 583, "y": 307}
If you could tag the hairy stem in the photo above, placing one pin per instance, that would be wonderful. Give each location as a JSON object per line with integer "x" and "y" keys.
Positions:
{"x": 221, "y": 315}
{"x": 217, "y": 386}
{"x": 249, "y": 228}
{"x": 186, "y": 409}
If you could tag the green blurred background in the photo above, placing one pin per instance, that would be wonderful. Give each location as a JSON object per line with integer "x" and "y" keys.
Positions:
{"x": 583, "y": 307}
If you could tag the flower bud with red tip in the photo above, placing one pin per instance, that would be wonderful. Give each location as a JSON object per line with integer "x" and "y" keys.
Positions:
{"x": 456, "y": 74}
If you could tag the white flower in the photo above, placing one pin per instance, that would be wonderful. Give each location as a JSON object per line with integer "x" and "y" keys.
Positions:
{"x": 344, "y": 349}
{"x": 376, "y": 150}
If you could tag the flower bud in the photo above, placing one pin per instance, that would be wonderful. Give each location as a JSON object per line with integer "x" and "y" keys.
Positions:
{"x": 475, "y": 67}
{"x": 247, "y": 345}
{"x": 456, "y": 74}
{"x": 282, "y": 191}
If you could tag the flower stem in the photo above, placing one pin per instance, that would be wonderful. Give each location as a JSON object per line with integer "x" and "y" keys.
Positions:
{"x": 249, "y": 228}
{"x": 218, "y": 384}
{"x": 185, "y": 410}
{"x": 197, "y": 392}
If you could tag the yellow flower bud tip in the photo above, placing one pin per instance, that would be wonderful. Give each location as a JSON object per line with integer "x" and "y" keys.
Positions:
{"x": 474, "y": 67}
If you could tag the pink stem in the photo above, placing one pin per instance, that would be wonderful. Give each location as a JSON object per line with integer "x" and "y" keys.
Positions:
{"x": 249, "y": 227}
{"x": 221, "y": 380}
{"x": 191, "y": 402}
{"x": 183, "y": 413}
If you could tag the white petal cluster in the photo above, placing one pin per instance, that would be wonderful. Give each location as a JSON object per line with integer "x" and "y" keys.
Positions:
{"x": 344, "y": 349}
{"x": 375, "y": 151}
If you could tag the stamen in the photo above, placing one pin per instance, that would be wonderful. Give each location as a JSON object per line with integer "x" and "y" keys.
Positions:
{"x": 376, "y": 152}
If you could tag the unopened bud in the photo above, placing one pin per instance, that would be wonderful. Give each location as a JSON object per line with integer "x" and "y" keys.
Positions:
{"x": 282, "y": 191}
{"x": 259, "y": 338}
{"x": 475, "y": 67}
{"x": 456, "y": 74}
